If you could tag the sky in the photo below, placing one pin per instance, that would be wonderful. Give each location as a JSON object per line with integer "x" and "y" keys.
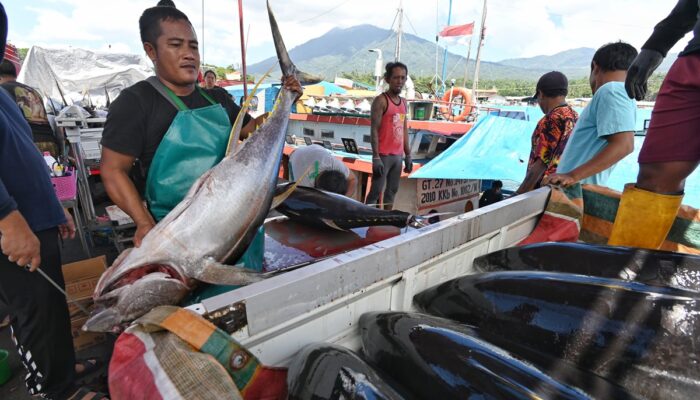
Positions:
{"x": 514, "y": 28}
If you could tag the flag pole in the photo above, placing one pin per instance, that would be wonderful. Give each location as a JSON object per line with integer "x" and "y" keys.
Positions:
{"x": 478, "y": 55}
{"x": 466, "y": 67}
{"x": 444, "y": 56}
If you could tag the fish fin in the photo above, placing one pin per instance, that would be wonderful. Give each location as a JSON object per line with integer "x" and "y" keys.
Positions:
{"x": 332, "y": 224}
{"x": 282, "y": 193}
{"x": 307, "y": 79}
{"x": 212, "y": 271}
{"x": 238, "y": 124}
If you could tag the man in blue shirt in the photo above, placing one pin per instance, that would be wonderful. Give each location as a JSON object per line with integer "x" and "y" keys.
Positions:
{"x": 31, "y": 219}
{"x": 604, "y": 133}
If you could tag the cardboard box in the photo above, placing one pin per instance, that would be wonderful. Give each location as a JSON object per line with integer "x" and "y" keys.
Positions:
{"x": 81, "y": 278}
{"x": 81, "y": 339}
{"x": 75, "y": 311}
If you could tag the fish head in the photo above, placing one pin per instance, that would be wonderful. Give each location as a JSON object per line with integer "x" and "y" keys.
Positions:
{"x": 135, "y": 294}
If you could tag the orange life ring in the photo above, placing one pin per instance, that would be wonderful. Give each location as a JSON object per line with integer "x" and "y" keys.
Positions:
{"x": 450, "y": 95}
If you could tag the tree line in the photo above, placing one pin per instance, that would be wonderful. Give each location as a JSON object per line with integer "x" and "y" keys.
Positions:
{"x": 510, "y": 87}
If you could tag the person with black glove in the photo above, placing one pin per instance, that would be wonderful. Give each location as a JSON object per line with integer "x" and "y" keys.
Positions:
{"x": 389, "y": 137}
{"x": 671, "y": 149}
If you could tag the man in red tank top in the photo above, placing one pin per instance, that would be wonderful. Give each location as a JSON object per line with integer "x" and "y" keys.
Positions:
{"x": 389, "y": 135}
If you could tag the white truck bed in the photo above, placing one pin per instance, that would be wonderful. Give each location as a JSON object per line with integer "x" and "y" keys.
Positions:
{"x": 323, "y": 302}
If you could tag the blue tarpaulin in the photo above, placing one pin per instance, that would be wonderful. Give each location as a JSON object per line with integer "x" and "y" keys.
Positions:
{"x": 330, "y": 88}
{"x": 495, "y": 148}
{"x": 499, "y": 148}
{"x": 269, "y": 89}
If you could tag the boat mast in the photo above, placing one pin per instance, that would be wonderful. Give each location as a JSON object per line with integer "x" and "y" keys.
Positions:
{"x": 466, "y": 67}
{"x": 478, "y": 54}
{"x": 399, "y": 33}
{"x": 444, "y": 55}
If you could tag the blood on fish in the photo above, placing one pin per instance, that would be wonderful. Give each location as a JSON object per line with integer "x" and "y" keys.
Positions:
{"x": 138, "y": 273}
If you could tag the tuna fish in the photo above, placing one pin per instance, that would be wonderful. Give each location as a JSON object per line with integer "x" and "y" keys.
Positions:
{"x": 653, "y": 267}
{"x": 644, "y": 338}
{"x": 440, "y": 359}
{"x": 318, "y": 208}
{"x": 324, "y": 371}
{"x": 213, "y": 224}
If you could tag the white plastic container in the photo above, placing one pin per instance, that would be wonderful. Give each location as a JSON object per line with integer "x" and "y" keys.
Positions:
{"x": 50, "y": 161}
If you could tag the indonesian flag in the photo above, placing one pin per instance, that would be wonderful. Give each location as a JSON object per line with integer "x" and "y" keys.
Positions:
{"x": 12, "y": 55}
{"x": 457, "y": 30}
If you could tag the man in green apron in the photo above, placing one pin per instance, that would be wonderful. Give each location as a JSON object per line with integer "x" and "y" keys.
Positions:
{"x": 163, "y": 133}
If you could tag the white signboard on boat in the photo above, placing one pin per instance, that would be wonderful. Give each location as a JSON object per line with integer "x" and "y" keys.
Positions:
{"x": 433, "y": 193}
{"x": 426, "y": 196}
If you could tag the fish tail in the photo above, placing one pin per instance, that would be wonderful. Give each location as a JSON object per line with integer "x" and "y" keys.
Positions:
{"x": 286, "y": 64}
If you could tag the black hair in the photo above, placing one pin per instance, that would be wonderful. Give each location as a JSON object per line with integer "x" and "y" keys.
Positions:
{"x": 554, "y": 92}
{"x": 332, "y": 181}
{"x": 149, "y": 23}
{"x": 209, "y": 71}
{"x": 7, "y": 68}
{"x": 497, "y": 184}
{"x": 389, "y": 68}
{"x": 616, "y": 56}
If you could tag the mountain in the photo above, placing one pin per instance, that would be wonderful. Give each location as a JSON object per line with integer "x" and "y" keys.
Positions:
{"x": 575, "y": 63}
{"x": 347, "y": 50}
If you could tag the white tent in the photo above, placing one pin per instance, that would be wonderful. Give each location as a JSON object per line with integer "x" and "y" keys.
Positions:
{"x": 79, "y": 72}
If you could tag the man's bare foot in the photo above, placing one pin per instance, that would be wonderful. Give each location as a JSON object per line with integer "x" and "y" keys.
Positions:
{"x": 84, "y": 367}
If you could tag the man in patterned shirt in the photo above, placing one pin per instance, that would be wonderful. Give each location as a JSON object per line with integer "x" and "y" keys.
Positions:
{"x": 552, "y": 131}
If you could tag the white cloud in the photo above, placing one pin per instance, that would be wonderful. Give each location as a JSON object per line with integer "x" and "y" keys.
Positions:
{"x": 515, "y": 28}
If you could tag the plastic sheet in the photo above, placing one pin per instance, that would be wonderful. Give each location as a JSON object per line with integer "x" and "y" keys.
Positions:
{"x": 79, "y": 71}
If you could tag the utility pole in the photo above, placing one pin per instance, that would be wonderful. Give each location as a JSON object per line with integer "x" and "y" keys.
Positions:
{"x": 397, "y": 53}
{"x": 478, "y": 55}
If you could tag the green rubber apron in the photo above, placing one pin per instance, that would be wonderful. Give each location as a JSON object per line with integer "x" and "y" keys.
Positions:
{"x": 195, "y": 142}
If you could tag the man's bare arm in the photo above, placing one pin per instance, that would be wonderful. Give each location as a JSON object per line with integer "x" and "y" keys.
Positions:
{"x": 378, "y": 106}
{"x": 406, "y": 144}
{"x": 619, "y": 145}
{"x": 533, "y": 175}
{"x": 248, "y": 129}
{"x": 114, "y": 170}
{"x": 352, "y": 184}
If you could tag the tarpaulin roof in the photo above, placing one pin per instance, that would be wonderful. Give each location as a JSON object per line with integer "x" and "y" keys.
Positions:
{"x": 499, "y": 148}
{"x": 495, "y": 148}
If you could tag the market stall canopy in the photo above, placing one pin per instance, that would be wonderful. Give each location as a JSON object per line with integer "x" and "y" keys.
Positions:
{"x": 328, "y": 89}
{"x": 79, "y": 71}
